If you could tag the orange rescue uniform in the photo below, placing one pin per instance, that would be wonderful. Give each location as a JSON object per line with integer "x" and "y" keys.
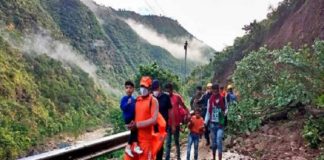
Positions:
{"x": 143, "y": 111}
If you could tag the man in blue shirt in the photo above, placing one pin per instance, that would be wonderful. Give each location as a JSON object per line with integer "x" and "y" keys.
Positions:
{"x": 127, "y": 105}
{"x": 164, "y": 107}
{"x": 231, "y": 97}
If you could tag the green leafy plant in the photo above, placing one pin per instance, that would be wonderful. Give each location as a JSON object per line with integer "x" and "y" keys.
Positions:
{"x": 320, "y": 157}
{"x": 268, "y": 81}
{"x": 320, "y": 101}
{"x": 156, "y": 72}
{"x": 119, "y": 154}
{"x": 116, "y": 119}
{"x": 313, "y": 132}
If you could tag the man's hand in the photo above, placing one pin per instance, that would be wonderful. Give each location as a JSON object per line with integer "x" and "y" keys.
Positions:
{"x": 129, "y": 101}
{"x": 132, "y": 126}
{"x": 190, "y": 125}
{"x": 173, "y": 129}
{"x": 201, "y": 130}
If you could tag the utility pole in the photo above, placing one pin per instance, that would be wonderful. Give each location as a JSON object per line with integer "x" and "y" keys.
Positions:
{"x": 201, "y": 68}
{"x": 185, "y": 48}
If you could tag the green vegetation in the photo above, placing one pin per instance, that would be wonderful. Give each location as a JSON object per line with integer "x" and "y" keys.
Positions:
{"x": 110, "y": 44}
{"x": 269, "y": 81}
{"x": 77, "y": 23}
{"x": 135, "y": 50}
{"x": 314, "y": 131}
{"x": 119, "y": 154}
{"x": 156, "y": 72}
{"x": 320, "y": 157}
{"x": 320, "y": 101}
{"x": 41, "y": 97}
{"x": 223, "y": 63}
{"x": 19, "y": 108}
{"x": 116, "y": 119}
{"x": 163, "y": 25}
{"x": 26, "y": 16}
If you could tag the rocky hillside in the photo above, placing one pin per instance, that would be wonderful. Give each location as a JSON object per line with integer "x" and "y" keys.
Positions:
{"x": 300, "y": 25}
{"x": 280, "y": 86}
{"x": 296, "y": 23}
{"x": 281, "y": 81}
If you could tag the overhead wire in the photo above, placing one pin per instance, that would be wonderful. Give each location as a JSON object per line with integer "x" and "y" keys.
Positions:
{"x": 154, "y": 11}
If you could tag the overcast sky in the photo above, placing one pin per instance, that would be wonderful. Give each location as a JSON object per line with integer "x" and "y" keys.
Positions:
{"x": 216, "y": 22}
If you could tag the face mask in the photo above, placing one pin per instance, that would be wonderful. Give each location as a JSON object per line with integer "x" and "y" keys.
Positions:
{"x": 143, "y": 91}
{"x": 156, "y": 93}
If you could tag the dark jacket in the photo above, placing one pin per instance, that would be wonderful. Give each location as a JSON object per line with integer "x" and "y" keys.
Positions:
{"x": 164, "y": 105}
{"x": 194, "y": 102}
{"x": 204, "y": 100}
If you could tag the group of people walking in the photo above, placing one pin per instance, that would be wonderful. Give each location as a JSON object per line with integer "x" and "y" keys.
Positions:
{"x": 214, "y": 104}
{"x": 156, "y": 115}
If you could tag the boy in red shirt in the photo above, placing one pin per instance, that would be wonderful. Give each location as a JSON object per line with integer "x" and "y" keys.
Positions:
{"x": 196, "y": 126}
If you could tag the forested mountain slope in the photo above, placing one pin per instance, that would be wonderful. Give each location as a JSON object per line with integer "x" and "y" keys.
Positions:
{"x": 62, "y": 65}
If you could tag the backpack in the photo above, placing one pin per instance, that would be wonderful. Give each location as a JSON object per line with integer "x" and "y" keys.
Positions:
{"x": 183, "y": 113}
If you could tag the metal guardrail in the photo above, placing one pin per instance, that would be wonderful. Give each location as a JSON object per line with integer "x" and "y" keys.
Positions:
{"x": 86, "y": 150}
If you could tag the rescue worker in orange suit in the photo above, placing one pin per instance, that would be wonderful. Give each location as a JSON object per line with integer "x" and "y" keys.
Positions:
{"x": 146, "y": 113}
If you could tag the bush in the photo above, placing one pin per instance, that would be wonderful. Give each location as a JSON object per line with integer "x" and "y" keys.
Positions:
{"x": 241, "y": 119}
{"x": 116, "y": 119}
{"x": 320, "y": 157}
{"x": 119, "y": 154}
{"x": 156, "y": 72}
{"x": 270, "y": 80}
{"x": 313, "y": 132}
{"x": 320, "y": 101}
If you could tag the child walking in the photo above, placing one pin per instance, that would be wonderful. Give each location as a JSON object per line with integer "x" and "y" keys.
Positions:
{"x": 196, "y": 127}
{"x": 127, "y": 105}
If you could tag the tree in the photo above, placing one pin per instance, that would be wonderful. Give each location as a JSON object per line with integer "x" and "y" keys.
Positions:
{"x": 156, "y": 72}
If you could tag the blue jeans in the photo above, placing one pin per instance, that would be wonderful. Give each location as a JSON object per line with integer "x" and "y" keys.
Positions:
{"x": 217, "y": 134}
{"x": 176, "y": 135}
{"x": 193, "y": 138}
